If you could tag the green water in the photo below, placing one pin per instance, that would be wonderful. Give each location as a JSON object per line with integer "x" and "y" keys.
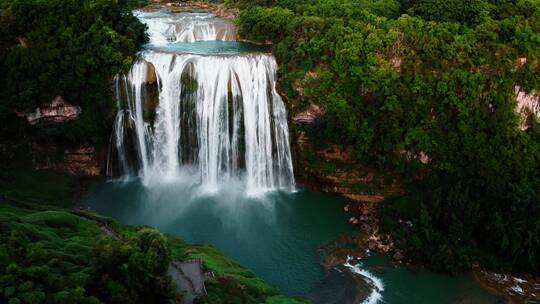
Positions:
{"x": 277, "y": 236}
{"x": 210, "y": 48}
{"x": 405, "y": 285}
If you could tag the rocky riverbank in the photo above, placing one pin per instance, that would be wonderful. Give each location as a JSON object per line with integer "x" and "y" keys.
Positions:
{"x": 514, "y": 288}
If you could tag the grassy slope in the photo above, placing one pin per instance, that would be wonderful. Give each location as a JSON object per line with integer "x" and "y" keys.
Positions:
{"x": 62, "y": 240}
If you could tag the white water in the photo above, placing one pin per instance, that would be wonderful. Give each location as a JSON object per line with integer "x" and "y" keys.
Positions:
{"x": 219, "y": 114}
{"x": 164, "y": 28}
{"x": 377, "y": 286}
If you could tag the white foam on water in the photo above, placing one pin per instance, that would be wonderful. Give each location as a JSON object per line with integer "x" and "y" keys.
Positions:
{"x": 219, "y": 114}
{"x": 165, "y": 28}
{"x": 375, "y": 283}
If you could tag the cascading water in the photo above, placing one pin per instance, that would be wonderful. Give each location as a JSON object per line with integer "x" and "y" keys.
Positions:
{"x": 165, "y": 28}
{"x": 218, "y": 116}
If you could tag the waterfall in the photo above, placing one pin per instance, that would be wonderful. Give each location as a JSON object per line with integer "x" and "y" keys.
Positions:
{"x": 166, "y": 28}
{"x": 220, "y": 116}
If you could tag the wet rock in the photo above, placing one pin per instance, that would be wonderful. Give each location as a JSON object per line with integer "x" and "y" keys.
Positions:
{"x": 346, "y": 208}
{"x": 372, "y": 245}
{"x": 353, "y": 220}
{"x": 515, "y": 288}
{"x": 151, "y": 73}
{"x": 365, "y": 228}
{"x": 398, "y": 255}
{"x": 340, "y": 286}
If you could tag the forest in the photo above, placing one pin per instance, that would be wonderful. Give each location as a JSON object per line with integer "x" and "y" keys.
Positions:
{"x": 44, "y": 56}
{"x": 412, "y": 79}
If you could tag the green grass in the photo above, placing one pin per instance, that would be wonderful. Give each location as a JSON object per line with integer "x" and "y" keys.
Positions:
{"x": 233, "y": 283}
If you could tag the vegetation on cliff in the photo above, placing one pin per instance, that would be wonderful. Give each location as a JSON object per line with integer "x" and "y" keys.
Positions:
{"x": 69, "y": 48}
{"x": 426, "y": 87}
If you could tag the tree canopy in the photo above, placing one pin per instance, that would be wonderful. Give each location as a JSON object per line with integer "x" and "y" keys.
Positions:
{"x": 70, "y": 48}
{"x": 402, "y": 79}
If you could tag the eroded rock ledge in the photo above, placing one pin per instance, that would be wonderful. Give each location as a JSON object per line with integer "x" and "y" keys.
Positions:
{"x": 82, "y": 161}
{"x": 56, "y": 111}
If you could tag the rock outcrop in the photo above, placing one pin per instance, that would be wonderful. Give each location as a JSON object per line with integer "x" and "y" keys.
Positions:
{"x": 56, "y": 111}
{"x": 82, "y": 161}
{"x": 332, "y": 170}
{"x": 309, "y": 115}
{"x": 526, "y": 104}
{"x": 524, "y": 288}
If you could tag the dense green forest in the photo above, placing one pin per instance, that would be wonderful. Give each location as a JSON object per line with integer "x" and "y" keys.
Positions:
{"x": 70, "y": 48}
{"x": 405, "y": 78}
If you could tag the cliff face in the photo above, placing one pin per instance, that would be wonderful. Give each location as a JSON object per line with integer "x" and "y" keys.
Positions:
{"x": 38, "y": 145}
{"x": 332, "y": 169}
{"x": 527, "y": 104}
{"x": 81, "y": 161}
{"x": 56, "y": 111}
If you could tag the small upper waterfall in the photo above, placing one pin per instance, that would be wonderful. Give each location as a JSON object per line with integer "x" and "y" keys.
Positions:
{"x": 164, "y": 28}
{"x": 218, "y": 117}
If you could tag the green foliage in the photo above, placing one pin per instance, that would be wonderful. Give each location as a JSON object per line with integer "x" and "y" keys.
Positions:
{"x": 134, "y": 271}
{"x": 233, "y": 283}
{"x": 463, "y": 11}
{"x": 437, "y": 81}
{"x": 19, "y": 183}
{"x": 58, "y": 257}
{"x": 69, "y": 48}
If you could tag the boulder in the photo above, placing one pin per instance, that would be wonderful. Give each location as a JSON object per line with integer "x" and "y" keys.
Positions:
{"x": 398, "y": 255}
{"x": 353, "y": 220}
